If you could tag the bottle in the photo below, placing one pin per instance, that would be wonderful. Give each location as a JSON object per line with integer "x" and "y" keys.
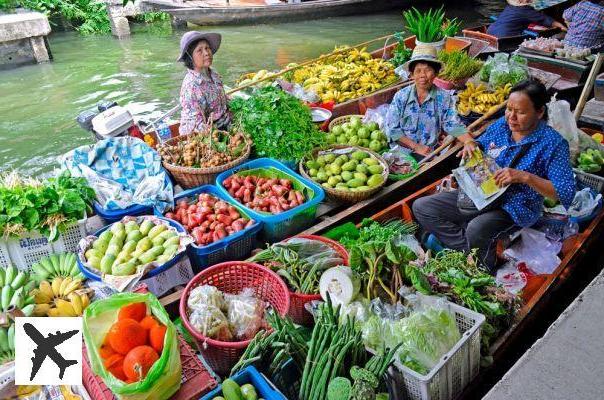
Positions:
{"x": 163, "y": 131}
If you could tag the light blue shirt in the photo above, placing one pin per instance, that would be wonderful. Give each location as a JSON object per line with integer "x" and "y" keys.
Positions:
{"x": 422, "y": 123}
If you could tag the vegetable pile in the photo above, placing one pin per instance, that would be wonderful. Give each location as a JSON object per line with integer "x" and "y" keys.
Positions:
{"x": 480, "y": 99}
{"x": 127, "y": 246}
{"x": 591, "y": 161}
{"x": 300, "y": 262}
{"x": 203, "y": 150}
{"x": 401, "y": 53}
{"x": 232, "y": 391}
{"x": 501, "y": 69}
{"x": 356, "y": 133}
{"x": 430, "y": 26}
{"x": 225, "y": 317}
{"x": 209, "y": 219}
{"x": 345, "y": 76}
{"x": 279, "y": 125}
{"x": 457, "y": 65}
{"x": 48, "y": 207}
{"x": 264, "y": 194}
{"x": 133, "y": 343}
{"x": 346, "y": 170}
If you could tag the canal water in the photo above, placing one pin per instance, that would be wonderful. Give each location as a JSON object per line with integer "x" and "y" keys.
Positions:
{"x": 39, "y": 103}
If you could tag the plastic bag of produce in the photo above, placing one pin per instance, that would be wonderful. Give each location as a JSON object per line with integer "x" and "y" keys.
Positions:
{"x": 206, "y": 295}
{"x": 211, "y": 322}
{"x": 122, "y": 171}
{"x": 163, "y": 379}
{"x": 245, "y": 313}
{"x": 562, "y": 120}
{"x": 377, "y": 115}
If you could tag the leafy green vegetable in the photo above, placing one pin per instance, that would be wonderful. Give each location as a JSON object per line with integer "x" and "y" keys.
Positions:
{"x": 280, "y": 125}
{"x": 401, "y": 53}
{"x": 458, "y": 65}
{"x": 430, "y": 26}
{"x": 27, "y": 205}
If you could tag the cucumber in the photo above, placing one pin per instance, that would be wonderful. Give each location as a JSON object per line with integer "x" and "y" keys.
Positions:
{"x": 101, "y": 245}
{"x": 124, "y": 269}
{"x": 93, "y": 253}
{"x": 151, "y": 254}
{"x": 249, "y": 392}
{"x": 158, "y": 240}
{"x": 231, "y": 390}
{"x": 167, "y": 234}
{"x": 170, "y": 251}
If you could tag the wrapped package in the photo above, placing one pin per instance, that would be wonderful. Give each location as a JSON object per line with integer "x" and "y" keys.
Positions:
{"x": 211, "y": 322}
{"x": 245, "y": 313}
{"x": 206, "y": 295}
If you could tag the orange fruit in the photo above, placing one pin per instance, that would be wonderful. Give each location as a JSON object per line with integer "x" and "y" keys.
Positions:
{"x": 126, "y": 334}
{"x": 138, "y": 361}
{"x": 156, "y": 337}
{"x": 135, "y": 311}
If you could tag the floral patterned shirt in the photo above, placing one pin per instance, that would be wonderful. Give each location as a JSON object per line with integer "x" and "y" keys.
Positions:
{"x": 202, "y": 97}
{"x": 422, "y": 123}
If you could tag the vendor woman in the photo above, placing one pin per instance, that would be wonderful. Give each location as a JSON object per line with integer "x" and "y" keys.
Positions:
{"x": 516, "y": 18}
{"x": 202, "y": 95}
{"x": 541, "y": 168}
{"x": 421, "y": 111}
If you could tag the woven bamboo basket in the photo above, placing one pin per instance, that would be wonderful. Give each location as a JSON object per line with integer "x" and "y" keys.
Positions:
{"x": 342, "y": 120}
{"x": 343, "y": 196}
{"x": 190, "y": 177}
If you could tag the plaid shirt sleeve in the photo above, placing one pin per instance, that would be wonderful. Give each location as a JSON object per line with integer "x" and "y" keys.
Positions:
{"x": 569, "y": 13}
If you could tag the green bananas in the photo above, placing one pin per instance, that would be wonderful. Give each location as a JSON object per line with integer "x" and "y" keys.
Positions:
{"x": 56, "y": 265}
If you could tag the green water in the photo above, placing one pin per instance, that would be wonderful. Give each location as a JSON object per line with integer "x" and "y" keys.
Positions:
{"x": 39, "y": 103}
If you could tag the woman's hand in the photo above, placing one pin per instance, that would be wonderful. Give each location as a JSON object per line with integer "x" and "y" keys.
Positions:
{"x": 507, "y": 176}
{"x": 468, "y": 149}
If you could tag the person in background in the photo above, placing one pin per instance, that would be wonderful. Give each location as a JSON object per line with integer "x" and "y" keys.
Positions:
{"x": 585, "y": 24}
{"x": 516, "y": 18}
{"x": 202, "y": 96}
{"x": 542, "y": 169}
{"x": 420, "y": 112}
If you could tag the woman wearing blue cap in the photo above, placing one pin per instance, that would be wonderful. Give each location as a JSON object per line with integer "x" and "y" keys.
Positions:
{"x": 202, "y": 96}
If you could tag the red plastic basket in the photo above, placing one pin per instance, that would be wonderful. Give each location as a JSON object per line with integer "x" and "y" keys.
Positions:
{"x": 297, "y": 311}
{"x": 232, "y": 277}
{"x": 196, "y": 380}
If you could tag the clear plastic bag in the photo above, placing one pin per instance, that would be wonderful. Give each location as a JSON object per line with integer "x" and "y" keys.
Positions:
{"x": 538, "y": 252}
{"x": 245, "y": 313}
{"x": 584, "y": 203}
{"x": 206, "y": 295}
{"x": 512, "y": 280}
{"x": 211, "y": 322}
{"x": 377, "y": 115}
{"x": 562, "y": 120}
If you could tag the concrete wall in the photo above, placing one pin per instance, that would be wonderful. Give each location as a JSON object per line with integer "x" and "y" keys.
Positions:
{"x": 23, "y": 39}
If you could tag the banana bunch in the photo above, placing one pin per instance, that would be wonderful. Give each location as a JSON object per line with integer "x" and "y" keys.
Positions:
{"x": 63, "y": 264}
{"x": 62, "y": 297}
{"x": 344, "y": 76}
{"x": 246, "y": 79}
{"x": 15, "y": 293}
{"x": 480, "y": 99}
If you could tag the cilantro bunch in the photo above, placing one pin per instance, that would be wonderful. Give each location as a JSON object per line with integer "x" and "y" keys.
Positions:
{"x": 28, "y": 205}
{"x": 279, "y": 124}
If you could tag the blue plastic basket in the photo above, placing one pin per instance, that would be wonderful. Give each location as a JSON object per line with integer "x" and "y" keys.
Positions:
{"x": 264, "y": 388}
{"x": 288, "y": 223}
{"x": 237, "y": 246}
{"x": 96, "y": 277}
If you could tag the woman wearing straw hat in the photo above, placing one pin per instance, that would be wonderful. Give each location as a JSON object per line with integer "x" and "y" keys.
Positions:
{"x": 202, "y": 95}
{"x": 420, "y": 112}
{"x": 517, "y": 16}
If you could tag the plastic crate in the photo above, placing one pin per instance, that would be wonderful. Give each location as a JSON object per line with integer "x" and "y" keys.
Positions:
{"x": 237, "y": 246}
{"x": 453, "y": 372}
{"x": 288, "y": 223}
{"x": 90, "y": 274}
{"x": 110, "y": 216}
{"x": 29, "y": 249}
{"x": 196, "y": 379}
{"x": 593, "y": 181}
{"x": 265, "y": 389}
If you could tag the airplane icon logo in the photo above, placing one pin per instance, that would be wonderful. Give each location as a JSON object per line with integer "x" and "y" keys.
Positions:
{"x": 40, "y": 340}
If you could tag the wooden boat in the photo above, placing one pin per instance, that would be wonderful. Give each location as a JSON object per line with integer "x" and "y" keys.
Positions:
{"x": 506, "y": 44}
{"x": 229, "y": 12}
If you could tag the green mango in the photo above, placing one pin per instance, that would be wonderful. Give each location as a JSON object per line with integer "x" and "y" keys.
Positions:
{"x": 131, "y": 226}
{"x": 124, "y": 269}
{"x": 117, "y": 227}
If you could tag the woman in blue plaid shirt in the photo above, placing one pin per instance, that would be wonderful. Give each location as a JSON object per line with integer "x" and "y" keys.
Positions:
{"x": 585, "y": 22}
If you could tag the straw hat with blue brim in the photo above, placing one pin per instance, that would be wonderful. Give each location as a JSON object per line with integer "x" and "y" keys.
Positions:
{"x": 423, "y": 53}
{"x": 188, "y": 38}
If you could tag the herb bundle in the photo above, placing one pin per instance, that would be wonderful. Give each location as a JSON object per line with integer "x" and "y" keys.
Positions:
{"x": 279, "y": 124}
{"x": 430, "y": 26}
{"x": 401, "y": 53}
{"x": 458, "y": 65}
{"x": 28, "y": 205}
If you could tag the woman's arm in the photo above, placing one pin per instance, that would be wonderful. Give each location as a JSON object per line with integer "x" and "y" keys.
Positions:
{"x": 508, "y": 176}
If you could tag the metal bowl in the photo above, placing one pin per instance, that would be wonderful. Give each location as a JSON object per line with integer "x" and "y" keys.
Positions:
{"x": 319, "y": 114}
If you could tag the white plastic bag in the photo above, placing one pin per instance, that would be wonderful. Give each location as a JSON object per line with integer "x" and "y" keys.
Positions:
{"x": 538, "y": 252}
{"x": 512, "y": 280}
{"x": 584, "y": 203}
{"x": 377, "y": 115}
{"x": 563, "y": 121}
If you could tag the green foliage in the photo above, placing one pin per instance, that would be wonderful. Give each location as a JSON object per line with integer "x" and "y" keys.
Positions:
{"x": 401, "y": 53}
{"x": 430, "y": 26}
{"x": 151, "y": 17}
{"x": 458, "y": 65}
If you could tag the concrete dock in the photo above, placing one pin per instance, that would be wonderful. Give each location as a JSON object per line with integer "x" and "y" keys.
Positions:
{"x": 568, "y": 361}
{"x": 23, "y": 38}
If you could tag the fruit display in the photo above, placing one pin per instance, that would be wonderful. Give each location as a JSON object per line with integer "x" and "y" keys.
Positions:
{"x": 55, "y": 265}
{"x": 345, "y": 76}
{"x": 232, "y": 391}
{"x": 591, "y": 161}
{"x": 356, "y": 133}
{"x": 209, "y": 219}
{"x": 61, "y": 297}
{"x": 480, "y": 99}
{"x": 16, "y": 286}
{"x": 127, "y": 246}
{"x": 133, "y": 343}
{"x": 272, "y": 195}
{"x": 573, "y": 53}
{"x": 202, "y": 150}
{"x": 347, "y": 169}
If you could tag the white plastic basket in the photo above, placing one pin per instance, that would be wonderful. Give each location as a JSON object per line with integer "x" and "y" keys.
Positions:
{"x": 29, "y": 249}
{"x": 453, "y": 372}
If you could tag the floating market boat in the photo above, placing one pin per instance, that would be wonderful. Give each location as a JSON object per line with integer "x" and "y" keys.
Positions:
{"x": 215, "y": 12}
